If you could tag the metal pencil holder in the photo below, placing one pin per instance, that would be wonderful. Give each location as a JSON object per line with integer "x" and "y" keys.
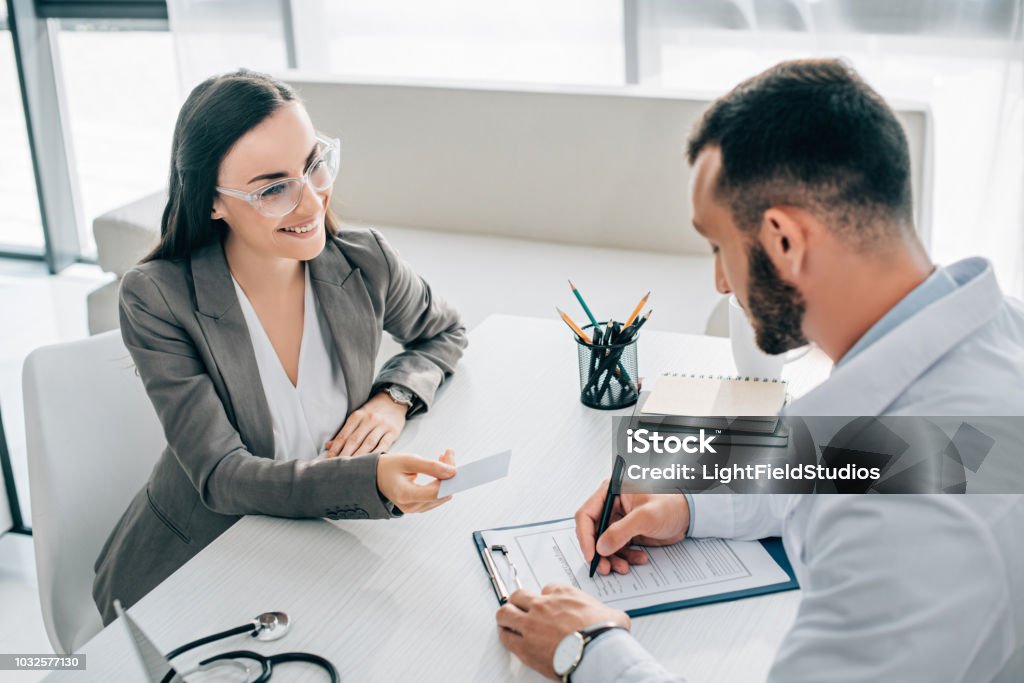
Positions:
{"x": 608, "y": 373}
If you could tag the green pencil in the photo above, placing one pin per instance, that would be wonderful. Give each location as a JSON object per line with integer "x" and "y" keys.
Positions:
{"x": 586, "y": 309}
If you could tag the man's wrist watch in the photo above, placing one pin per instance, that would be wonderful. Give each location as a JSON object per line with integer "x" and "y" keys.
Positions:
{"x": 569, "y": 652}
{"x": 401, "y": 395}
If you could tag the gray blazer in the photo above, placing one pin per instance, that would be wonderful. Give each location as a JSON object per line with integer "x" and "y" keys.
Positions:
{"x": 183, "y": 325}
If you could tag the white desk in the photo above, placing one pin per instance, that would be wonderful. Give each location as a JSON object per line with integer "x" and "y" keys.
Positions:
{"x": 408, "y": 599}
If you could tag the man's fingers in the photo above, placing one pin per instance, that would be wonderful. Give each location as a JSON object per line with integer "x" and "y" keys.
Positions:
{"x": 585, "y": 531}
{"x": 621, "y": 533}
{"x": 386, "y": 442}
{"x": 586, "y": 520}
{"x": 512, "y": 641}
{"x": 633, "y": 555}
{"x": 619, "y": 565}
{"x": 511, "y": 617}
{"x": 523, "y": 599}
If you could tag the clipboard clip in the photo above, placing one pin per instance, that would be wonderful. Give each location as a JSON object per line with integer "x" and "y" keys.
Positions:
{"x": 487, "y": 552}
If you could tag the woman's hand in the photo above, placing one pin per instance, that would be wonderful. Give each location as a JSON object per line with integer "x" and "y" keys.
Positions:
{"x": 396, "y": 477}
{"x": 374, "y": 427}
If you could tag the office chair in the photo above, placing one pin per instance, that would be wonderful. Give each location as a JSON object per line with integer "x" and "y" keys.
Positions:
{"x": 92, "y": 437}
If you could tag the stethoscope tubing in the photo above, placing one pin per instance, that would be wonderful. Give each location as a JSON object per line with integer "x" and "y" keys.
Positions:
{"x": 209, "y": 639}
{"x": 264, "y": 661}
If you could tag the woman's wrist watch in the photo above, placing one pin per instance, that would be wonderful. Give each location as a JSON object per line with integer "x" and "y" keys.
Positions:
{"x": 569, "y": 652}
{"x": 401, "y": 396}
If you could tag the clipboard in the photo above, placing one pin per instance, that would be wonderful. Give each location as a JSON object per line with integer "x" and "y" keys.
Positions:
{"x": 492, "y": 558}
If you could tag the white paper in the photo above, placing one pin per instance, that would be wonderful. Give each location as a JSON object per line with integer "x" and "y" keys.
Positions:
{"x": 476, "y": 473}
{"x": 694, "y": 568}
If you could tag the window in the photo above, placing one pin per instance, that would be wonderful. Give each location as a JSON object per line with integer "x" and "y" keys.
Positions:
{"x": 539, "y": 41}
{"x": 120, "y": 87}
{"x": 962, "y": 59}
{"x": 20, "y": 226}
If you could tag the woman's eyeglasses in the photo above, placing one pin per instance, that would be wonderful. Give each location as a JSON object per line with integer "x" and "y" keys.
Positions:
{"x": 280, "y": 197}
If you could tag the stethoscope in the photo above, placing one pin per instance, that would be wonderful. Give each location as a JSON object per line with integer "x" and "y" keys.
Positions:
{"x": 267, "y": 626}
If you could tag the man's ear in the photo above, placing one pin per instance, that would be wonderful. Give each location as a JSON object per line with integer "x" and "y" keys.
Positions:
{"x": 784, "y": 234}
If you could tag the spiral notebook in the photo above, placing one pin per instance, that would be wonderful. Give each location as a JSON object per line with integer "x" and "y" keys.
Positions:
{"x": 707, "y": 400}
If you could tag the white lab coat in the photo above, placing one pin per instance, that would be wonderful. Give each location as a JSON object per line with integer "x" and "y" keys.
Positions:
{"x": 893, "y": 587}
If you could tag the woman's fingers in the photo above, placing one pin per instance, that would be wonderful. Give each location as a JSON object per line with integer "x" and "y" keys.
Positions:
{"x": 386, "y": 442}
{"x": 424, "y": 507}
{"x": 438, "y": 469}
{"x": 372, "y": 440}
{"x": 338, "y": 442}
{"x": 396, "y": 476}
{"x": 358, "y": 435}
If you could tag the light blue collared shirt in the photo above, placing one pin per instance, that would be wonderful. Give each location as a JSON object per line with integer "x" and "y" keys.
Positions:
{"x": 941, "y": 350}
{"x": 937, "y": 285}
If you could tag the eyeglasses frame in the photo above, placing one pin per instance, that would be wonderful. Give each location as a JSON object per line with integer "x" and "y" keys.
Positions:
{"x": 253, "y": 198}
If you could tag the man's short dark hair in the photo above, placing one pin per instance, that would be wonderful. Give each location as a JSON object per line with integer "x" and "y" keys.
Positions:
{"x": 810, "y": 133}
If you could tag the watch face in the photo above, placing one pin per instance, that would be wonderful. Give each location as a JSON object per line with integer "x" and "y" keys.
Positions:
{"x": 568, "y": 654}
{"x": 400, "y": 395}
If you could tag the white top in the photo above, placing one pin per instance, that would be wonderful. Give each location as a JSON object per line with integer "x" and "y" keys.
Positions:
{"x": 309, "y": 413}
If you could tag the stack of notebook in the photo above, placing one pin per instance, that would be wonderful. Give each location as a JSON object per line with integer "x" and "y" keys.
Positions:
{"x": 743, "y": 410}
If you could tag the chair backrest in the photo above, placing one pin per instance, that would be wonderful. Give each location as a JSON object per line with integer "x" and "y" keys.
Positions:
{"x": 593, "y": 166}
{"x": 92, "y": 437}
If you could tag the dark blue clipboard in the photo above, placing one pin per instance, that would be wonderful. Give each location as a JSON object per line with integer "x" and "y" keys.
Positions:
{"x": 772, "y": 545}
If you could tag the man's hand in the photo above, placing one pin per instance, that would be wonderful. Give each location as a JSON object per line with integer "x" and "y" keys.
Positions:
{"x": 641, "y": 518}
{"x": 531, "y": 626}
{"x": 374, "y": 427}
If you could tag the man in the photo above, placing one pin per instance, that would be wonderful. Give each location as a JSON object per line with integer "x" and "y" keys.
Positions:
{"x": 801, "y": 185}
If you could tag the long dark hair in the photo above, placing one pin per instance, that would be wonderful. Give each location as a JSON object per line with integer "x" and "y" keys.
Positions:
{"x": 216, "y": 114}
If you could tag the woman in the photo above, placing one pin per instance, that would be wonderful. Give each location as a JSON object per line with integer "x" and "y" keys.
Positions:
{"x": 254, "y": 325}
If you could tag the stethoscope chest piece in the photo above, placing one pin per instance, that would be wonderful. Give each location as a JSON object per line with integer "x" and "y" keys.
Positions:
{"x": 270, "y": 626}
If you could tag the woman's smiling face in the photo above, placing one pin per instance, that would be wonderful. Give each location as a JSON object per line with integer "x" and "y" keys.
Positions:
{"x": 282, "y": 146}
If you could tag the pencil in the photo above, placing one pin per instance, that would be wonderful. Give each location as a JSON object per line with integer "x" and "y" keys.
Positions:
{"x": 586, "y": 309}
{"x": 636, "y": 311}
{"x": 645, "y": 319}
{"x": 575, "y": 328}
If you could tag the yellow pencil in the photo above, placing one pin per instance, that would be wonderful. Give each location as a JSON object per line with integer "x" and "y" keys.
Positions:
{"x": 636, "y": 311}
{"x": 575, "y": 328}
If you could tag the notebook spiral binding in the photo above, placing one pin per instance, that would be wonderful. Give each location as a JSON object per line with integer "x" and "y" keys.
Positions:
{"x": 694, "y": 375}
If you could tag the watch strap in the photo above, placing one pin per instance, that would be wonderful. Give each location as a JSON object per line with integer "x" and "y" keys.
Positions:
{"x": 589, "y": 634}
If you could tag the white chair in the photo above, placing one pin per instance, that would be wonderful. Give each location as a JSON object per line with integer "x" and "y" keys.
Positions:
{"x": 93, "y": 438}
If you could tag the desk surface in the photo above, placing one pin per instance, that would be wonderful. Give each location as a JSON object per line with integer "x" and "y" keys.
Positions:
{"x": 408, "y": 599}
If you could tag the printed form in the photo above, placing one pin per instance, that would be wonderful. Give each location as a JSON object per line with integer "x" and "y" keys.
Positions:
{"x": 693, "y": 568}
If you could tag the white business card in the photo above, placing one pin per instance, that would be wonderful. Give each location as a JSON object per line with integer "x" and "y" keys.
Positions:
{"x": 477, "y": 473}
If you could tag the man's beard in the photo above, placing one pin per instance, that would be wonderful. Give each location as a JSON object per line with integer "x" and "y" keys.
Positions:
{"x": 775, "y": 307}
